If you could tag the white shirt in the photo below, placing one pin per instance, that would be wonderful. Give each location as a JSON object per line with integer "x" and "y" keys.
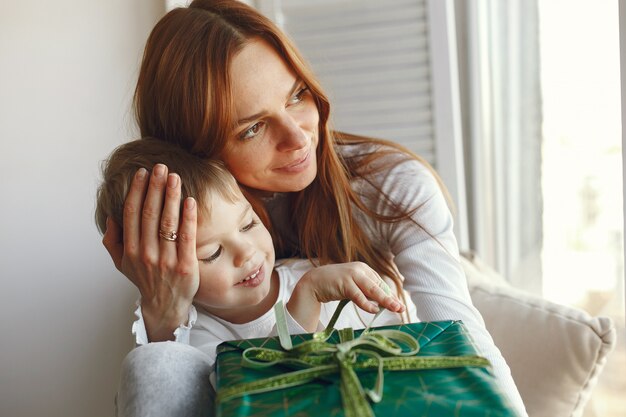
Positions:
{"x": 423, "y": 248}
{"x": 206, "y": 331}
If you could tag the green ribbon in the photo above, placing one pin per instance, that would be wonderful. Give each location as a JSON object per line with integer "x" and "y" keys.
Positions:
{"x": 378, "y": 350}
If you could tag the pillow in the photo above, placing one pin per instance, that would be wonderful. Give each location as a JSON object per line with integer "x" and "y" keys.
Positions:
{"x": 555, "y": 352}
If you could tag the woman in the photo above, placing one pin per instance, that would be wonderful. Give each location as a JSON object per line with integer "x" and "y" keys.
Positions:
{"x": 220, "y": 80}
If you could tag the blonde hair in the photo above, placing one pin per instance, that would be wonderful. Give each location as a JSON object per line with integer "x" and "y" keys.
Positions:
{"x": 200, "y": 178}
{"x": 184, "y": 96}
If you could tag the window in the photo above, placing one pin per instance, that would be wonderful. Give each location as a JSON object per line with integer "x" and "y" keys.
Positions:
{"x": 390, "y": 71}
{"x": 582, "y": 257}
{"x": 541, "y": 129}
{"x": 542, "y": 122}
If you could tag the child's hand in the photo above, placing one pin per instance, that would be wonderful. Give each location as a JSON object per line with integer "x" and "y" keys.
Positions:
{"x": 355, "y": 281}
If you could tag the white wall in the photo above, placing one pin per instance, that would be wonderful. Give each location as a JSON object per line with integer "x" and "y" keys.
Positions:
{"x": 622, "y": 41}
{"x": 67, "y": 72}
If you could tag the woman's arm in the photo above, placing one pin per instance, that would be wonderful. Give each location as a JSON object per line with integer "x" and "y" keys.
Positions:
{"x": 426, "y": 254}
{"x": 165, "y": 272}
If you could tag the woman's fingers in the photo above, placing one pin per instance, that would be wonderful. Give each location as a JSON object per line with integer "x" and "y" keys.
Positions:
{"x": 168, "y": 229}
{"x": 167, "y": 286}
{"x": 132, "y": 214}
{"x": 151, "y": 214}
{"x": 112, "y": 241}
{"x": 187, "y": 259}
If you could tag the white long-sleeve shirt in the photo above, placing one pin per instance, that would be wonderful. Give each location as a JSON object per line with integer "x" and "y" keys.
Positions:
{"x": 423, "y": 248}
{"x": 206, "y": 331}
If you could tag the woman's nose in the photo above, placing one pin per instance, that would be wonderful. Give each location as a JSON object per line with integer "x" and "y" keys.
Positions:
{"x": 292, "y": 137}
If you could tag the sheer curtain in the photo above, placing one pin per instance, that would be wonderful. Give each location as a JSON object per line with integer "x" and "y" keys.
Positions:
{"x": 501, "y": 102}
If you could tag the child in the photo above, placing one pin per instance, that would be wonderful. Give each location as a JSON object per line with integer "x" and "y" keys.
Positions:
{"x": 238, "y": 281}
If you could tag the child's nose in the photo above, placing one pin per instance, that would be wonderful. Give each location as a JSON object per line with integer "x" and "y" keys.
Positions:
{"x": 245, "y": 252}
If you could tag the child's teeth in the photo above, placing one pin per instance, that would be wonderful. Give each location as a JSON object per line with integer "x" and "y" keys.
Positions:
{"x": 251, "y": 276}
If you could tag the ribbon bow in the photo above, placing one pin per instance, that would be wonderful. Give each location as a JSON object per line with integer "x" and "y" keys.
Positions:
{"x": 378, "y": 350}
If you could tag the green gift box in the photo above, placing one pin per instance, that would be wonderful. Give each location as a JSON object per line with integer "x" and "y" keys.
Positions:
{"x": 444, "y": 378}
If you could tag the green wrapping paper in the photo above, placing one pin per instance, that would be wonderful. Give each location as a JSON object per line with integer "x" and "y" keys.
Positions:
{"x": 455, "y": 391}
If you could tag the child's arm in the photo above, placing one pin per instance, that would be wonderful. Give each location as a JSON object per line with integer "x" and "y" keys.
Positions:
{"x": 355, "y": 281}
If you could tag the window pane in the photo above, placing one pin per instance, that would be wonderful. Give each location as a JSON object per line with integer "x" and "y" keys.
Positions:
{"x": 582, "y": 257}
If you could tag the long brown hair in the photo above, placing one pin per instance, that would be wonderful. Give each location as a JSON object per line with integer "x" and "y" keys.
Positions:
{"x": 184, "y": 96}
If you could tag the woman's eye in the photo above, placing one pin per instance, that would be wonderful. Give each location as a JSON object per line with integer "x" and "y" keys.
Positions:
{"x": 299, "y": 96}
{"x": 249, "y": 226}
{"x": 252, "y": 131}
{"x": 213, "y": 257}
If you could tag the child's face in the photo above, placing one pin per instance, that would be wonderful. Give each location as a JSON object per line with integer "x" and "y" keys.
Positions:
{"x": 236, "y": 258}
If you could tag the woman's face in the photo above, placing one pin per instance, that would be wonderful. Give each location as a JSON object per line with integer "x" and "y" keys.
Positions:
{"x": 273, "y": 145}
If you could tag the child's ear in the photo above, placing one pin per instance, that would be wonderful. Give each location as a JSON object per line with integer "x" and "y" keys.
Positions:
{"x": 113, "y": 241}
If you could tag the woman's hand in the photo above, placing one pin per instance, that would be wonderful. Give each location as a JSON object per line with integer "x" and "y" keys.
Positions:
{"x": 355, "y": 281}
{"x": 166, "y": 272}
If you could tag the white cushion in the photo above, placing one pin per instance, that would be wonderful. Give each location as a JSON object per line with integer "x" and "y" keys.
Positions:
{"x": 555, "y": 352}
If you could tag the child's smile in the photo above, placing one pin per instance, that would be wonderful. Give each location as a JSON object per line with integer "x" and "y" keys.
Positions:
{"x": 254, "y": 279}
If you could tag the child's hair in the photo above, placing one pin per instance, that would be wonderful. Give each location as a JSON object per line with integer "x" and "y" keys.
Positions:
{"x": 200, "y": 178}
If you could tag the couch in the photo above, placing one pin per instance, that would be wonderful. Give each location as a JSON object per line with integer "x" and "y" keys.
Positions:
{"x": 555, "y": 352}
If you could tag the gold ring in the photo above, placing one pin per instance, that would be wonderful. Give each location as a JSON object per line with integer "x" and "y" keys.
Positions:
{"x": 169, "y": 236}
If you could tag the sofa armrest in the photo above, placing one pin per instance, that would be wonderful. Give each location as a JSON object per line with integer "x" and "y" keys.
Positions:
{"x": 555, "y": 352}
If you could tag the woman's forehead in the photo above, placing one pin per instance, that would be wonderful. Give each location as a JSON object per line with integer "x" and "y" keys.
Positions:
{"x": 259, "y": 76}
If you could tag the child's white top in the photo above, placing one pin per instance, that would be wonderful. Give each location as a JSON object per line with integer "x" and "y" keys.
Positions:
{"x": 206, "y": 331}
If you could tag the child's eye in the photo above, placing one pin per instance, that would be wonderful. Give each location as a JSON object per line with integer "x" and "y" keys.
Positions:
{"x": 252, "y": 131}
{"x": 249, "y": 226}
{"x": 213, "y": 257}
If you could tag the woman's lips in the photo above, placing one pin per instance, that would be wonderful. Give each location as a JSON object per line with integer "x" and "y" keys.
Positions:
{"x": 254, "y": 279}
{"x": 297, "y": 166}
